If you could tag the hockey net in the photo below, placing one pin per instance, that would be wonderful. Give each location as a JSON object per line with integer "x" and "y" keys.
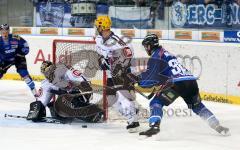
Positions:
{"x": 82, "y": 55}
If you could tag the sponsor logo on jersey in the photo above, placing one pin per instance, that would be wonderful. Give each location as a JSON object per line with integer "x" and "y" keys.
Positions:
{"x": 76, "y": 73}
{"x": 10, "y": 51}
{"x": 127, "y": 52}
{"x": 14, "y": 42}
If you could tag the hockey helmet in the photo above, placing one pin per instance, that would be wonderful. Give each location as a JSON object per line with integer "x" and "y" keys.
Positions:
{"x": 150, "y": 43}
{"x": 4, "y": 27}
{"x": 47, "y": 69}
{"x": 103, "y": 22}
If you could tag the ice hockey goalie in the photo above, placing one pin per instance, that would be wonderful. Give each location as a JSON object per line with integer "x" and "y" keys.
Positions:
{"x": 73, "y": 92}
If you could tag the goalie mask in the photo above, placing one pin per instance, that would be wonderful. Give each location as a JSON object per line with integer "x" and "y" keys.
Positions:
{"x": 47, "y": 69}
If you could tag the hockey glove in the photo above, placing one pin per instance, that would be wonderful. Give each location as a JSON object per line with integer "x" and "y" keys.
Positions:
{"x": 1, "y": 70}
{"x": 103, "y": 63}
{"x": 134, "y": 78}
{"x": 25, "y": 50}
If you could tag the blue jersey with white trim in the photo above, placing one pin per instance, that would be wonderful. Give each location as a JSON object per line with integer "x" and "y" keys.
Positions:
{"x": 13, "y": 46}
{"x": 161, "y": 67}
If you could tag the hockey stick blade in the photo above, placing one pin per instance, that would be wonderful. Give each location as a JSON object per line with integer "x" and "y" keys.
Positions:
{"x": 45, "y": 119}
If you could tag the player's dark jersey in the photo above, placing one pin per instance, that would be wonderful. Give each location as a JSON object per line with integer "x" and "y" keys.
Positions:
{"x": 162, "y": 66}
{"x": 9, "y": 49}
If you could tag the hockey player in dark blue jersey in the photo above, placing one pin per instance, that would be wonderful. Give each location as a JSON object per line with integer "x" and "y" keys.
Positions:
{"x": 13, "y": 49}
{"x": 164, "y": 70}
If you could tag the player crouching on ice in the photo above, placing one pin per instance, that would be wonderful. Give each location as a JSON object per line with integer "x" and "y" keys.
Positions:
{"x": 13, "y": 49}
{"x": 176, "y": 81}
{"x": 74, "y": 93}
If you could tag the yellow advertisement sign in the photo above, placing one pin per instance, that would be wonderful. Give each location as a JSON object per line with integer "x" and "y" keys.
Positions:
{"x": 128, "y": 32}
{"x": 183, "y": 35}
{"x": 51, "y": 31}
{"x": 76, "y": 31}
{"x": 157, "y": 32}
{"x": 211, "y": 36}
{"x": 21, "y": 30}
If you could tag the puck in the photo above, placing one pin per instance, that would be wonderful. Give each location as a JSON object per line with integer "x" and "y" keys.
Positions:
{"x": 84, "y": 126}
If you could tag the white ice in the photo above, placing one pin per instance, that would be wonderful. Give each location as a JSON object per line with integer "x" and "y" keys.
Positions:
{"x": 177, "y": 132}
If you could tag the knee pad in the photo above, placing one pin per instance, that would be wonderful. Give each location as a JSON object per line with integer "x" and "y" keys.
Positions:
{"x": 23, "y": 72}
{"x": 194, "y": 102}
{"x": 198, "y": 108}
{"x": 156, "y": 100}
{"x": 156, "y": 110}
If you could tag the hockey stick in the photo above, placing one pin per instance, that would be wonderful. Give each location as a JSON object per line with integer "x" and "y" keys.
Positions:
{"x": 14, "y": 116}
{"x": 45, "y": 119}
{"x": 150, "y": 96}
{"x": 100, "y": 89}
{"x": 17, "y": 116}
{"x": 8, "y": 66}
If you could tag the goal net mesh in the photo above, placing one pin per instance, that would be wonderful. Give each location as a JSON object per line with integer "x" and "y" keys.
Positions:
{"x": 82, "y": 56}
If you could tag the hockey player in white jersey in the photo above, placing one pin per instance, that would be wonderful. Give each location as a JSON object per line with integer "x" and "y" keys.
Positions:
{"x": 115, "y": 57}
{"x": 68, "y": 84}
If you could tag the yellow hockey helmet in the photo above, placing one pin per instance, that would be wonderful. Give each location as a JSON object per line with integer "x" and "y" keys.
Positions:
{"x": 103, "y": 22}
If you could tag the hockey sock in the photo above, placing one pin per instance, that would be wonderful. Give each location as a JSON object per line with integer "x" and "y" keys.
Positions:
{"x": 28, "y": 80}
{"x": 156, "y": 112}
{"x": 207, "y": 115}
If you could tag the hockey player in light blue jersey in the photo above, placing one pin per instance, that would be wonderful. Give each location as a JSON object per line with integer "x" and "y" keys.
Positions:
{"x": 13, "y": 49}
{"x": 164, "y": 70}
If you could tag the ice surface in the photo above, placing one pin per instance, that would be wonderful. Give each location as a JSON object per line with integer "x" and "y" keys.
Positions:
{"x": 177, "y": 132}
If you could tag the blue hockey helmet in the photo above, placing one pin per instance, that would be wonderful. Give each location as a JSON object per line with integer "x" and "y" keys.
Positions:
{"x": 150, "y": 43}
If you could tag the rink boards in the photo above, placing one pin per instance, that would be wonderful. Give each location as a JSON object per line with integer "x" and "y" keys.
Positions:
{"x": 215, "y": 64}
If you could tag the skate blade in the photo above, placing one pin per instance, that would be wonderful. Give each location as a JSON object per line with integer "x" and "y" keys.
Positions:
{"x": 133, "y": 130}
{"x": 225, "y": 133}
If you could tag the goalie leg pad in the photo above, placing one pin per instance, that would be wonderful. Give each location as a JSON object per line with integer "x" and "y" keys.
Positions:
{"x": 65, "y": 108}
{"x": 37, "y": 111}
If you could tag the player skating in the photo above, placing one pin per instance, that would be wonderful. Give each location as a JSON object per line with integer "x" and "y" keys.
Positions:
{"x": 115, "y": 58}
{"x": 13, "y": 49}
{"x": 68, "y": 84}
{"x": 164, "y": 69}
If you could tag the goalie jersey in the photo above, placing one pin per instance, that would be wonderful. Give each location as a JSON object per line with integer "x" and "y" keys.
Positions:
{"x": 163, "y": 66}
{"x": 64, "y": 78}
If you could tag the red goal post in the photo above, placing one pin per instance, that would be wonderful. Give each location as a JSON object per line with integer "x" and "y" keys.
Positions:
{"x": 81, "y": 55}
